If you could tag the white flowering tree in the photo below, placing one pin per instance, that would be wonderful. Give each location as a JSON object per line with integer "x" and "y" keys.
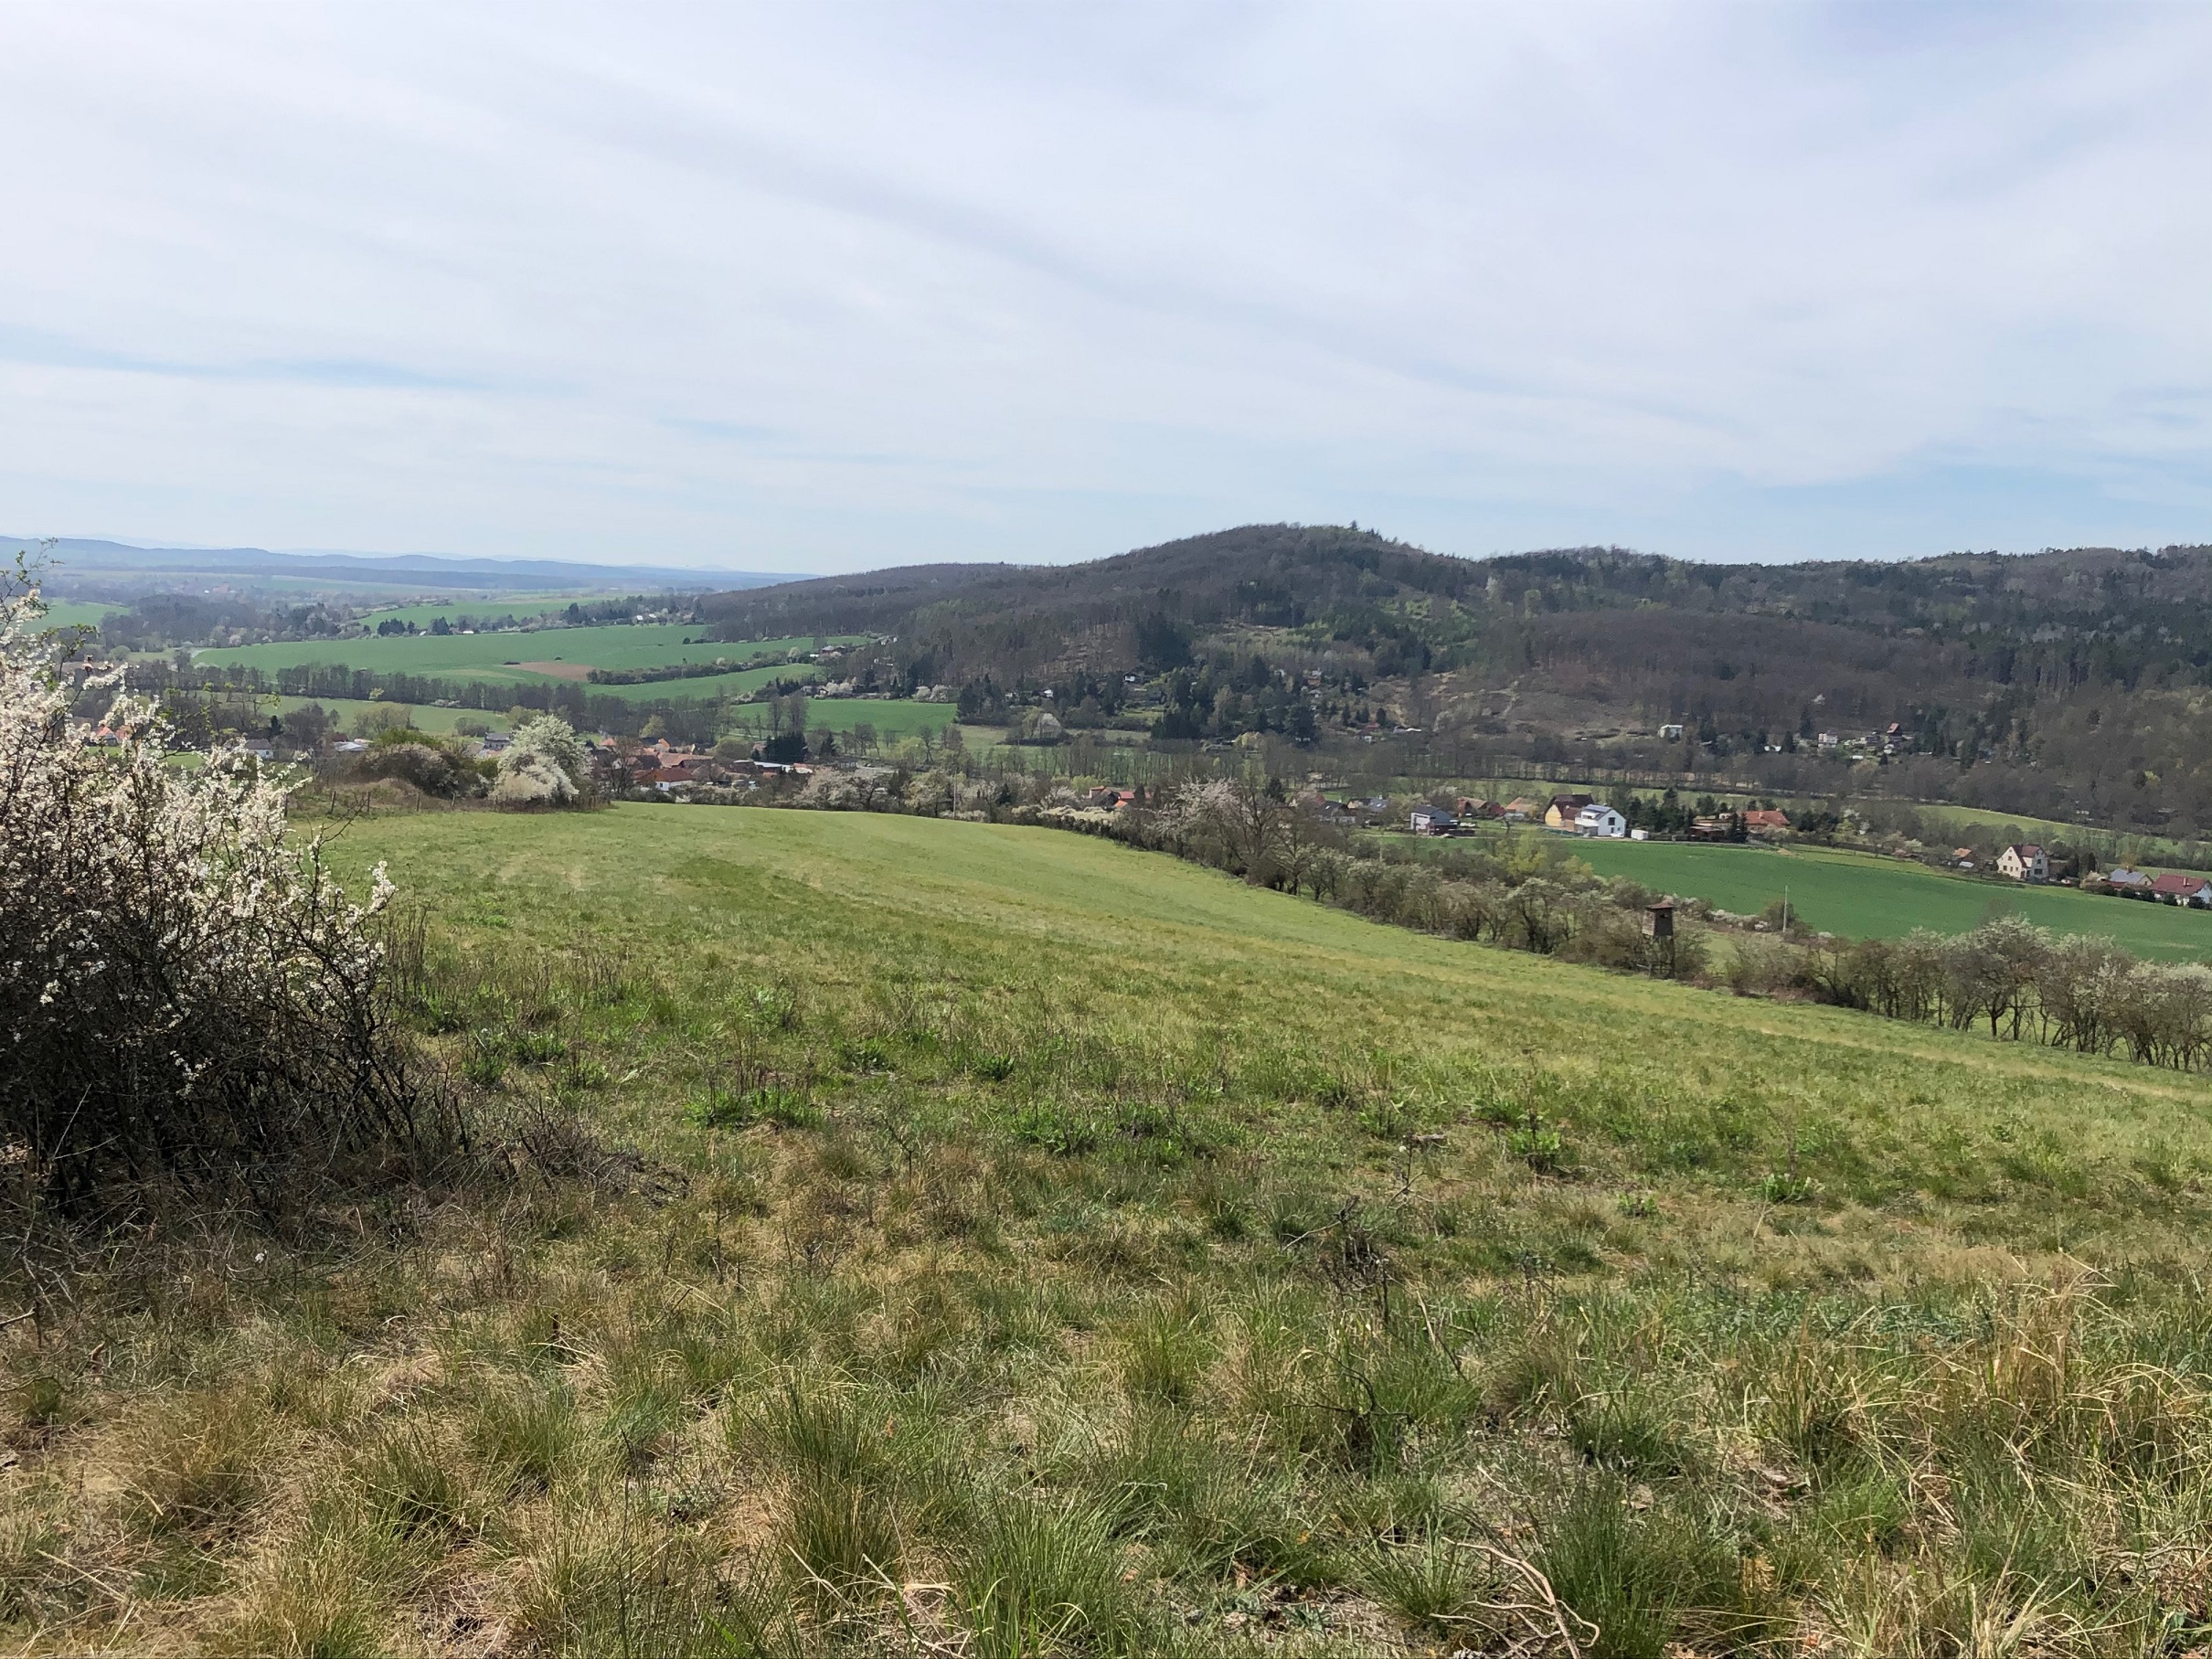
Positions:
{"x": 187, "y": 996}
{"x": 544, "y": 766}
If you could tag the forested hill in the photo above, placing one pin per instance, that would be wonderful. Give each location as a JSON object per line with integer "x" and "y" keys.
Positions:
{"x": 2088, "y": 666}
{"x": 2070, "y": 617}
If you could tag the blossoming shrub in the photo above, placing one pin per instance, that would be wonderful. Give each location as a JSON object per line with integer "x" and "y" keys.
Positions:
{"x": 186, "y": 996}
{"x": 544, "y": 766}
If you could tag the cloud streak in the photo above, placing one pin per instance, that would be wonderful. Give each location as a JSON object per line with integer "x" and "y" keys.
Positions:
{"x": 836, "y": 286}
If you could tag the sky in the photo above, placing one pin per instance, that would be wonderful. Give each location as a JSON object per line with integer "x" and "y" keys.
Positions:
{"x": 831, "y": 287}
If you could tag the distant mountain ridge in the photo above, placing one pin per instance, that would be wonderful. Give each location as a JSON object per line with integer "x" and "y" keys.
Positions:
{"x": 88, "y": 557}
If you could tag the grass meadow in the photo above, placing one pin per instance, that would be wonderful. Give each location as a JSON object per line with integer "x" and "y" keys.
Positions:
{"x": 1017, "y": 1244}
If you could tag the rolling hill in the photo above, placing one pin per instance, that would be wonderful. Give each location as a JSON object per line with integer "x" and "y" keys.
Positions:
{"x": 2061, "y": 685}
{"x": 934, "y": 1223}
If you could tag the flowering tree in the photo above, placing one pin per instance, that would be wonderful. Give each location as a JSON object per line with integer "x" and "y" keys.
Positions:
{"x": 186, "y": 992}
{"x": 543, "y": 767}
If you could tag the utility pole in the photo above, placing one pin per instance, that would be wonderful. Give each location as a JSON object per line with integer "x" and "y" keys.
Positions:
{"x": 1785, "y": 909}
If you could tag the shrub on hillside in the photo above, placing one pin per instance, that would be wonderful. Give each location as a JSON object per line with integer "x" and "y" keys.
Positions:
{"x": 187, "y": 995}
{"x": 435, "y": 766}
{"x": 545, "y": 766}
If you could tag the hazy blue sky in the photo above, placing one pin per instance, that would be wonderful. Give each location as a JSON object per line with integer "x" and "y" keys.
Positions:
{"x": 823, "y": 286}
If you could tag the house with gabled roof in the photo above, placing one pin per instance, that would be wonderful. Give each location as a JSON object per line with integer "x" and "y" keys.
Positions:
{"x": 2190, "y": 889}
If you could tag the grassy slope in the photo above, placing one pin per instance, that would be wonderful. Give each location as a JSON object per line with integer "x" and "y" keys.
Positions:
{"x": 1863, "y": 896}
{"x": 1104, "y": 1274}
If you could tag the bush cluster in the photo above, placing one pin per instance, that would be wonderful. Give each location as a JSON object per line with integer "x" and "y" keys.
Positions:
{"x": 187, "y": 995}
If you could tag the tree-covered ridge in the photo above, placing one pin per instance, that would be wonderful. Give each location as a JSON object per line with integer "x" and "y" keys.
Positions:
{"x": 2068, "y": 682}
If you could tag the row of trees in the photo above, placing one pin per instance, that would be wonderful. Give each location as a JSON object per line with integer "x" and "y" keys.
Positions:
{"x": 2020, "y": 981}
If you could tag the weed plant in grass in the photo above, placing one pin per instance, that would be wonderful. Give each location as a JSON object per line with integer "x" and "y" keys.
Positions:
{"x": 1158, "y": 1266}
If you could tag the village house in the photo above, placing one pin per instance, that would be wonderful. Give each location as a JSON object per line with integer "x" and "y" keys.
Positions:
{"x": 1469, "y": 807}
{"x": 1766, "y": 821}
{"x": 2023, "y": 861}
{"x": 1671, "y": 732}
{"x": 1560, "y": 813}
{"x": 1520, "y": 810}
{"x": 2195, "y": 891}
{"x": 2130, "y": 884}
{"x": 1430, "y": 821}
{"x": 1598, "y": 819}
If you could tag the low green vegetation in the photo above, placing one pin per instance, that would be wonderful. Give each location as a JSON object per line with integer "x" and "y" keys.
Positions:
{"x": 969, "y": 1238}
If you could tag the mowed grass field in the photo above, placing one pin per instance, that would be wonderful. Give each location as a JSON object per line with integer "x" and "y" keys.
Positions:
{"x": 1034, "y": 1246}
{"x": 550, "y": 654}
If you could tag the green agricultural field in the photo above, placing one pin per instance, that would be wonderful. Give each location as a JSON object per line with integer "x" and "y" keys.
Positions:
{"x": 521, "y": 606}
{"x": 70, "y": 613}
{"x": 1018, "y": 1244}
{"x": 422, "y": 716}
{"x": 1864, "y": 897}
{"x": 892, "y": 718}
{"x": 518, "y": 658}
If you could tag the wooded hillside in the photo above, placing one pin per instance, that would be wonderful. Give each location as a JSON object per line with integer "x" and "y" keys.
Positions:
{"x": 2070, "y": 681}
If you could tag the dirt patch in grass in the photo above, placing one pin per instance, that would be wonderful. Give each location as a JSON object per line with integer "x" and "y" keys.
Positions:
{"x": 559, "y": 671}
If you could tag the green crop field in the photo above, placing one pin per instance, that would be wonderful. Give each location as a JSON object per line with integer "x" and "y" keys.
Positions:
{"x": 521, "y": 606}
{"x": 1860, "y": 895}
{"x": 70, "y": 613}
{"x": 892, "y": 718}
{"x": 501, "y": 657}
{"x": 1010, "y": 1243}
{"x": 422, "y": 716}
{"x": 1864, "y": 897}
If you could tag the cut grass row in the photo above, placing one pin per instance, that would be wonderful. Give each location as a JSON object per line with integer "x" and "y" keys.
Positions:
{"x": 1040, "y": 1245}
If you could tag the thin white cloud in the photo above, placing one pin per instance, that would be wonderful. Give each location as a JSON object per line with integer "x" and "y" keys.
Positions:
{"x": 836, "y": 286}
